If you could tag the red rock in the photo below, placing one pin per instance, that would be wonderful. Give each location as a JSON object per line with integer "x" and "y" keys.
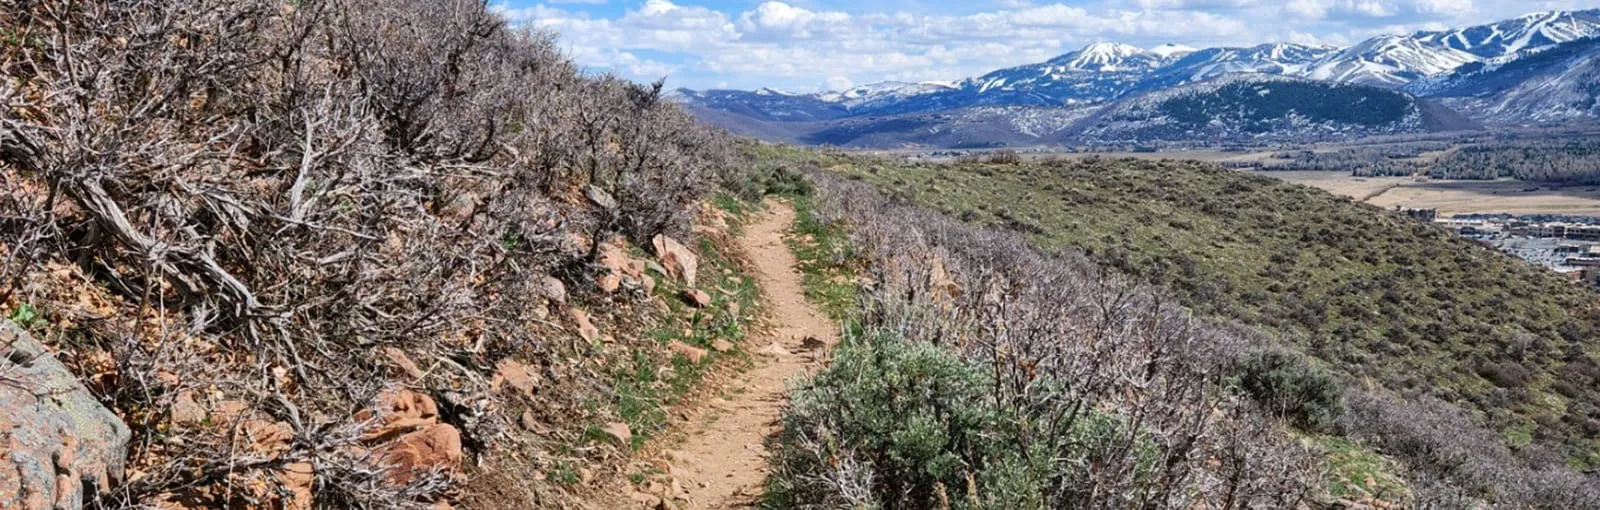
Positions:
{"x": 697, "y": 297}
{"x": 676, "y": 257}
{"x": 186, "y": 410}
{"x": 267, "y": 437}
{"x": 619, "y": 431}
{"x": 410, "y": 437}
{"x": 297, "y": 478}
{"x": 399, "y": 403}
{"x": 617, "y": 263}
{"x": 695, "y": 354}
{"x": 435, "y": 447}
{"x": 510, "y": 373}
{"x": 586, "y": 329}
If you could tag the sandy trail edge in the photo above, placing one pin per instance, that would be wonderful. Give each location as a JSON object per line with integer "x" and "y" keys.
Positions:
{"x": 722, "y": 461}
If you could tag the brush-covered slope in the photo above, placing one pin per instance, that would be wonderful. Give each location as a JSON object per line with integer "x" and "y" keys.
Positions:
{"x": 1259, "y": 107}
{"x": 348, "y": 254}
{"x": 1389, "y": 301}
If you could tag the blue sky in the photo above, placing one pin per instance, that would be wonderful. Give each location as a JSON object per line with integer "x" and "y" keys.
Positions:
{"x": 811, "y": 45}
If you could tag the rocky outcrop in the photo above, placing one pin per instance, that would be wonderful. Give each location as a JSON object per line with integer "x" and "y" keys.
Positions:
{"x": 59, "y": 442}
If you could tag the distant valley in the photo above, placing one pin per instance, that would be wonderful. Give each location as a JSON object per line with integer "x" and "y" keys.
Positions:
{"x": 1533, "y": 70}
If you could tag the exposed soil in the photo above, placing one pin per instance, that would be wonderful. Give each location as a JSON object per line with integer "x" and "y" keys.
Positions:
{"x": 721, "y": 462}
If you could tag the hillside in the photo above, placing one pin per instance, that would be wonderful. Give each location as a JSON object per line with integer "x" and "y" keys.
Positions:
{"x": 1261, "y": 107}
{"x": 1378, "y": 297}
{"x": 385, "y": 254}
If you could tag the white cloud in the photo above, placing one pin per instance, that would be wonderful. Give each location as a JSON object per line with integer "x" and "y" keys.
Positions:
{"x": 1378, "y": 9}
{"x": 778, "y": 20}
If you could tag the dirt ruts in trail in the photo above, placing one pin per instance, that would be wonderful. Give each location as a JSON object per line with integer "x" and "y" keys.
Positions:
{"x": 722, "y": 463}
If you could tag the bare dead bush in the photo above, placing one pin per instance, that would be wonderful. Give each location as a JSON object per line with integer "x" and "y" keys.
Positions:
{"x": 279, "y": 191}
{"x": 1459, "y": 464}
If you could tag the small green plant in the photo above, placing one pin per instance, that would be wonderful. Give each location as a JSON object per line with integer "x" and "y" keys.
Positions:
{"x": 563, "y": 473}
{"x": 1288, "y": 385}
{"x": 27, "y": 316}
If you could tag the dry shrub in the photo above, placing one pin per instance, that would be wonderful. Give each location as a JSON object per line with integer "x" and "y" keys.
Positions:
{"x": 1095, "y": 392}
{"x": 1457, "y": 464}
{"x": 270, "y": 194}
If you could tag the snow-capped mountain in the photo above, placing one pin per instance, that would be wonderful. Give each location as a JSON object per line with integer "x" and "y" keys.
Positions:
{"x": 1515, "y": 35}
{"x": 1104, "y": 73}
{"x": 1549, "y": 85}
{"x": 1277, "y": 58}
{"x": 883, "y": 91}
{"x": 1260, "y": 107}
{"x": 1390, "y": 61}
{"x": 1396, "y": 60}
{"x": 1170, "y": 50}
{"x": 1107, "y": 57}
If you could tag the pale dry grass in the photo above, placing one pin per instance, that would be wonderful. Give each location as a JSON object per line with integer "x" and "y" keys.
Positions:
{"x": 1455, "y": 197}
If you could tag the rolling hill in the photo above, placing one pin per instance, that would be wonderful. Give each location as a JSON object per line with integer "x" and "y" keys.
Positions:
{"x": 1382, "y": 298}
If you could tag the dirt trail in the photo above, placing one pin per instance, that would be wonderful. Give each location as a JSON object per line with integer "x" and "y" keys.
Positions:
{"x": 722, "y": 463}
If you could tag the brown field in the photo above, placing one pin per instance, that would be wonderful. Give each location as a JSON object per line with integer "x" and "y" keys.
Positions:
{"x": 1455, "y": 197}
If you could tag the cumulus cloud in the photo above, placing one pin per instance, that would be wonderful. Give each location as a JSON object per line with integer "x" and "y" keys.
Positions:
{"x": 1381, "y": 9}
{"x": 781, "y": 21}
{"x": 799, "y": 46}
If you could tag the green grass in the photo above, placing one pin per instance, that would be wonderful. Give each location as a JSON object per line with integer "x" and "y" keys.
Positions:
{"x": 1373, "y": 295}
{"x": 826, "y": 261}
{"x": 642, "y": 393}
{"x": 1357, "y": 472}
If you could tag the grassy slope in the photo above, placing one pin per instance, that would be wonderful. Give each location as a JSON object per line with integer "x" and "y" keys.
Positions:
{"x": 1388, "y": 300}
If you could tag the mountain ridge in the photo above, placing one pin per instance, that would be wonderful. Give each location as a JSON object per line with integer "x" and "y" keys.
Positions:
{"x": 1104, "y": 73}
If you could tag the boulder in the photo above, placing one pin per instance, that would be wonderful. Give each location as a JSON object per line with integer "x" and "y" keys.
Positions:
{"x": 433, "y": 447}
{"x": 410, "y": 437}
{"x": 676, "y": 258}
{"x": 59, "y": 442}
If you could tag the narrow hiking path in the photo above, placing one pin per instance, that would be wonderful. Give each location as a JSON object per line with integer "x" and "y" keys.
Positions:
{"x": 722, "y": 462}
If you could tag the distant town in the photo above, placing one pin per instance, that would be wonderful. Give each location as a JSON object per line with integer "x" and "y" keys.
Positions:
{"x": 1569, "y": 245}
